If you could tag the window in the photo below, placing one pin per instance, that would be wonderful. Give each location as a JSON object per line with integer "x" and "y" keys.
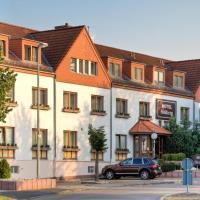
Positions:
{"x": 114, "y": 70}
{"x": 159, "y": 77}
{"x": 70, "y": 101}
{"x": 86, "y": 67}
{"x": 137, "y": 161}
{"x": 93, "y": 155}
{"x": 7, "y": 142}
{"x": 3, "y": 47}
{"x": 43, "y": 142}
{"x": 178, "y": 81}
{"x": 31, "y": 53}
{"x": 70, "y": 145}
{"x": 42, "y": 98}
{"x": 185, "y": 114}
{"x": 80, "y": 66}
{"x": 120, "y": 141}
{"x": 34, "y": 54}
{"x": 10, "y": 96}
{"x": 144, "y": 109}
{"x": 138, "y": 74}
{"x": 121, "y": 147}
{"x": 27, "y": 52}
{"x": 128, "y": 161}
{"x": 97, "y": 103}
{"x": 73, "y": 64}
{"x": 94, "y": 68}
{"x": 121, "y": 106}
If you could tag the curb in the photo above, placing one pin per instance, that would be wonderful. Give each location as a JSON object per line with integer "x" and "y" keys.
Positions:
{"x": 163, "y": 197}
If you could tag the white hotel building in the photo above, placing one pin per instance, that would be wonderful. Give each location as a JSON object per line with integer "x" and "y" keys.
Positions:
{"x": 132, "y": 95}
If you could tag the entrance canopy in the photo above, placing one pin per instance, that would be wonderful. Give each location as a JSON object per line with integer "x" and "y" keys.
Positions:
{"x": 145, "y": 126}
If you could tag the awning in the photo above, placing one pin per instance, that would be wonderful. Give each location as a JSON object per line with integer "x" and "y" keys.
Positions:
{"x": 145, "y": 126}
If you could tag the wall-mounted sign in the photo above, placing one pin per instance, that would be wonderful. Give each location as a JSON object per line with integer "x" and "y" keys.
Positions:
{"x": 165, "y": 109}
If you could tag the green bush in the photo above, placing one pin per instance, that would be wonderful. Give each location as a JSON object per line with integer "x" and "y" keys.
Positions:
{"x": 5, "y": 171}
{"x": 173, "y": 156}
{"x": 161, "y": 162}
{"x": 168, "y": 167}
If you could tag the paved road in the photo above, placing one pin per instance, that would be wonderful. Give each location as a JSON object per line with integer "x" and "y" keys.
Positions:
{"x": 105, "y": 192}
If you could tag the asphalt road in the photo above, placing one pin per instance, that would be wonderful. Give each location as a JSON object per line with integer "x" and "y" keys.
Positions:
{"x": 105, "y": 192}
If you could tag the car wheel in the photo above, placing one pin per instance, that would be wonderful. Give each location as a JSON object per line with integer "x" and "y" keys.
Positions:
{"x": 109, "y": 174}
{"x": 144, "y": 175}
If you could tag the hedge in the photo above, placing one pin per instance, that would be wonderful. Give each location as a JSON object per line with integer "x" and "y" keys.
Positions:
{"x": 173, "y": 156}
{"x": 168, "y": 167}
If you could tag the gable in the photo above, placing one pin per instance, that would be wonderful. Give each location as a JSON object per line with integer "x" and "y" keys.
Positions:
{"x": 83, "y": 48}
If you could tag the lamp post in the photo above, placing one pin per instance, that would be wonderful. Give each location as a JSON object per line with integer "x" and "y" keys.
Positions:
{"x": 40, "y": 46}
{"x": 154, "y": 136}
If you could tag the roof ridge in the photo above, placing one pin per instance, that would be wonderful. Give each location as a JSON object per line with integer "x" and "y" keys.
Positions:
{"x": 129, "y": 51}
{"x": 197, "y": 59}
{"x": 19, "y": 26}
{"x": 51, "y": 30}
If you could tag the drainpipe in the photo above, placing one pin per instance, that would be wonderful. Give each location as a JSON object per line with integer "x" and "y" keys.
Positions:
{"x": 193, "y": 113}
{"x": 54, "y": 125}
{"x": 111, "y": 125}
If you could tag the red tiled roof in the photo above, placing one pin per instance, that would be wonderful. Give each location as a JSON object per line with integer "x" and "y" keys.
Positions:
{"x": 14, "y": 31}
{"x": 192, "y": 67}
{"x": 147, "y": 127}
{"x": 105, "y": 51}
{"x": 59, "y": 42}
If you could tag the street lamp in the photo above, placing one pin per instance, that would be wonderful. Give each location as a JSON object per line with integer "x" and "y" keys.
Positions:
{"x": 40, "y": 46}
{"x": 154, "y": 136}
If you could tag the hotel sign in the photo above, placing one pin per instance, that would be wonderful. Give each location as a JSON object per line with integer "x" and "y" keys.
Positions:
{"x": 165, "y": 109}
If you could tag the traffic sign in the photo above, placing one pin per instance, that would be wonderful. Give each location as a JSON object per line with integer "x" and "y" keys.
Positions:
{"x": 187, "y": 163}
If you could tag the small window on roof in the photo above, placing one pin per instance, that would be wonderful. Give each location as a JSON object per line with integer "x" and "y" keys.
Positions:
{"x": 159, "y": 77}
{"x": 27, "y": 49}
{"x": 3, "y": 47}
{"x": 94, "y": 69}
{"x": 178, "y": 81}
{"x": 138, "y": 73}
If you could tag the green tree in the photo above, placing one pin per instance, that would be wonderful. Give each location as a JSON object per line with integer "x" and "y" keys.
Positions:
{"x": 7, "y": 81}
{"x": 97, "y": 140}
{"x": 184, "y": 139}
{"x": 5, "y": 171}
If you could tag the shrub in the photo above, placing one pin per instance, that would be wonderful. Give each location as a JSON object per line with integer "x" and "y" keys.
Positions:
{"x": 161, "y": 162}
{"x": 5, "y": 171}
{"x": 168, "y": 167}
{"x": 173, "y": 156}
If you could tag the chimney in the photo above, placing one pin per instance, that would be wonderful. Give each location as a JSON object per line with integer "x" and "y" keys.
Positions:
{"x": 66, "y": 25}
{"x": 133, "y": 55}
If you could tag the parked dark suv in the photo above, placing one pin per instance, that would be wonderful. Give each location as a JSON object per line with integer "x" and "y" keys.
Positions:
{"x": 144, "y": 167}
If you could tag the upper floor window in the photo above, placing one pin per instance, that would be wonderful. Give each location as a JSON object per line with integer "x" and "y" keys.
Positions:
{"x": 159, "y": 77}
{"x": 31, "y": 53}
{"x": 93, "y": 68}
{"x": 144, "y": 109}
{"x": 3, "y": 47}
{"x": 73, "y": 64}
{"x": 185, "y": 114}
{"x": 122, "y": 108}
{"x": 178, "y": 81}
{"x": 43, "y": 98}
{"x": 138, "y": 73}
{"x": 81, "y": 66}
{"x": 70, "y": 101}
{"x": 11, "y": 95}
{"x": 114, "y": 70}
{"x": 86, "y": 70}
{"x": 97, "y": 103}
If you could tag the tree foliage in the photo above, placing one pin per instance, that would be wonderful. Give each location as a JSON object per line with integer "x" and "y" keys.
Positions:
{"x": 184, "y": 138}
{"x": 97, "y": 140}
{"x": 7, "y": 81}
{"x": 5, "y": 171}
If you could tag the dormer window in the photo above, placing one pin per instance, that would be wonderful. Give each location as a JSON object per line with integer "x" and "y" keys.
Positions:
{"x": 114, "y": 70}
{"x": 159, "y": 77}
{"x": 138, "y": 74}
{"x": 3, "y": 47}
{"x": 179, "y": 80}
{"x": 31, "y": 53}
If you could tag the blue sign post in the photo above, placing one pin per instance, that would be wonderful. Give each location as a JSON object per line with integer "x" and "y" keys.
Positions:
{"x": 187, "y": 165}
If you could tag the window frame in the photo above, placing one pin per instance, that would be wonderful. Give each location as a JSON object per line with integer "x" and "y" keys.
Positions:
{"x": 156, "y": 77}
{"x": 69, "y": 107}
{"x": 146, "y": 108}
{"x": 123, "y": 108}
{"x": 97, "y": 100}
{"x": 96, "y": 68}
{"x": 34, "y": 96}
{"x": 185, "y": 111}
{"x": 178, "y": 75}
{"x": 134, "y": 72}
{"x": 120, "y": 145}
{"x": 3, "y": 42}
{"x": 114, "y": 70}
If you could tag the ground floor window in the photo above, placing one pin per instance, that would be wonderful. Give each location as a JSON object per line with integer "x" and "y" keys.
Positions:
{"x": 93, "y": 155}
{"x": 43, "y": 143}
{"x": 121, "y": 147}
{"x": 70, "y": 147}
{"x": 7, "y": 142}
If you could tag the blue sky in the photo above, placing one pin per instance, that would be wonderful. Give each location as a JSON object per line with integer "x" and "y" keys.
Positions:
{"x": 165, "y": 28}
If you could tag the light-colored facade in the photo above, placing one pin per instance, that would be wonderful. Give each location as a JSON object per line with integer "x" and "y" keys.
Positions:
{"x": 79, "y": 92}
